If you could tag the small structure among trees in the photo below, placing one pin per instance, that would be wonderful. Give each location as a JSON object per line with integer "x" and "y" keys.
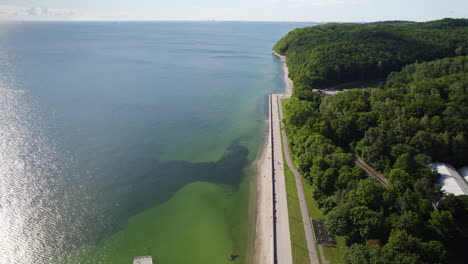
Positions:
{"x": 322, "y": 236}
{"x": 143, "y": 260}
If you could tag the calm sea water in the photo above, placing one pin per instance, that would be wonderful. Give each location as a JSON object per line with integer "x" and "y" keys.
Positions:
{"x": 127, "y": 139}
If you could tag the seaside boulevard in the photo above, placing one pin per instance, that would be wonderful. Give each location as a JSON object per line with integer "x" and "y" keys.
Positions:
{"x": 267, "y": 170}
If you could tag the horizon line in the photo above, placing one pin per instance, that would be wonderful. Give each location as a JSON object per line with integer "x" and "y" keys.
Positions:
{"x": 215, "y": 20}
{"x": 206, "y": 20}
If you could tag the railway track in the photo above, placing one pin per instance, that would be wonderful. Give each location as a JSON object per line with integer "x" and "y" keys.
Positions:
{"x": 370, "y": 171}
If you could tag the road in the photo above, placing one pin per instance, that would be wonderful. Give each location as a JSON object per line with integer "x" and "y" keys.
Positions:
{"x": 283, "y": 236}
{"x": 300, "y": 190}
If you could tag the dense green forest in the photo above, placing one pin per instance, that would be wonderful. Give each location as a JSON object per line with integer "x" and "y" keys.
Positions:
{"x": 331, "y": 54}
{"x": 417, "y": 115}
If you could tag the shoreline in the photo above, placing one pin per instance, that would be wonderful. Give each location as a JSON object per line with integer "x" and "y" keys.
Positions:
{"x": 263, "y": 245}
{"x": 273, "y": 238}
{"x": 308, "y": 230}
{"x": 287, "y": 81}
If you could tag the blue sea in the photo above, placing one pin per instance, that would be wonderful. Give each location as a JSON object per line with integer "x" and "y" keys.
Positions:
{"x": 133, "y": 138}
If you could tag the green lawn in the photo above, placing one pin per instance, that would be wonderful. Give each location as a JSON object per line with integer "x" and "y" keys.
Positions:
{"x": 336, "y": 254}
{"x": 314, "y": 211}
{"x": 298, "y": 239}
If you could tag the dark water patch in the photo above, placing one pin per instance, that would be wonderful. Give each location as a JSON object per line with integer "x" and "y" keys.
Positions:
{"x": 146, "y": 183}
{"x": 133, "y": 193}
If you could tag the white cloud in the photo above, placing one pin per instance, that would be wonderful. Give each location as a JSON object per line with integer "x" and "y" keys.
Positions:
{"x": 303, "y": 3}
{"x": 329, "y": 2}
{"x": 22, "y": 12}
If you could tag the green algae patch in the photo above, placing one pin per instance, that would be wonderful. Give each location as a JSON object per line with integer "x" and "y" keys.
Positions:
{"x": 194, "y": 226}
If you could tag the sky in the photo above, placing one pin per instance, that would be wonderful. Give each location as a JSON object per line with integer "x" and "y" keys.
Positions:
{"x": 234, "y": 10}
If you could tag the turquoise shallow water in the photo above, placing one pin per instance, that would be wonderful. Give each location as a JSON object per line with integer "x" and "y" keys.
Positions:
{"x": 124, "y": 139}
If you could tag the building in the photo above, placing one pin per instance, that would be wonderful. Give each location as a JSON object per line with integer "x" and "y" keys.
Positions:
{"x": 464, "y": 173}
{"x": 143, "y": 260}
{"x": 450, "y": 180}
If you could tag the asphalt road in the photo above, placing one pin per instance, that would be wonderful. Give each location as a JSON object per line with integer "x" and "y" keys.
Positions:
{"x": 283, "y": 235}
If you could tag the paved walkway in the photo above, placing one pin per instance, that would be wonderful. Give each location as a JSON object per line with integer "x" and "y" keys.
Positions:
{"x": 282, "y": 222}
{"x": 300, "y": 190}
{"x": 278, "y": 108}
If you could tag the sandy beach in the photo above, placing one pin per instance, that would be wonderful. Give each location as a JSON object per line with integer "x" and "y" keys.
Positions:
{"x": 263, "y": 251}
{"x": 272, "y": 149}
{"x": 288, "y": 82}
{"x": 264, "y": 244}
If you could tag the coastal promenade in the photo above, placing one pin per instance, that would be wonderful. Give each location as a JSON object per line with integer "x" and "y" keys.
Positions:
{"x": 283, "y": 236}
{"x": 306, "y": 220}
{"x": 273, "y": 237}
{"x": 264, "y": 248}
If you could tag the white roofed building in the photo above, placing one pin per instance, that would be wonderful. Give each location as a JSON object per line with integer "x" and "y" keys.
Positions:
{"x": 464, "y": 173}
{"x": 143, "y": 260}
{"x": 450, "y": 180}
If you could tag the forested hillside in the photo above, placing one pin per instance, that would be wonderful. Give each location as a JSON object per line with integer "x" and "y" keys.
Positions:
{"x": 417, "y": 115}
{"x": 331, "y": 54}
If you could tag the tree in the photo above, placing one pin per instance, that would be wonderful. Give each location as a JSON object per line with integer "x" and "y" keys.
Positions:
{"x": 459, "y": 148}
{"x": 456, "y": 205}
{"x": 422, "y": 159}
{"x": 417, "y": 115}
{"x": 330, "y": 54}
{"x": 399, "y": 240}
{"x": 326, "y": 183}
{"x": 357, "y": 254}
{"x": 337, "y": 221}
{"x": 433, "y": 252}
{"x": 406, "y": 163}
{"x": 409, "y": 222}
{"x": 298, "y": 112}
{"x": 425, "y": 188}
{"x": 366, "y": 224}
{"x": 424, "y": 208}
{"x": 338, "y": 160}
{"x": 400, "y": 179}
{"x": 349, "y": 177}
{"x": 443, "y": 224}
{"x": 369, "y": 193}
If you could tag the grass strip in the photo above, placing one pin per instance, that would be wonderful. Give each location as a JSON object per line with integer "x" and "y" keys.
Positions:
{"x": 296, "y": 226}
